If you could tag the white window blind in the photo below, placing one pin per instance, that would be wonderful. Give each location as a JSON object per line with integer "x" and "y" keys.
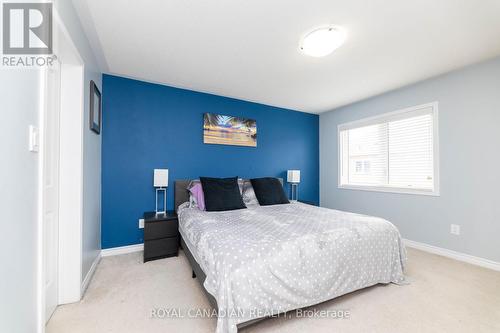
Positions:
{"x": 394, "y": 152}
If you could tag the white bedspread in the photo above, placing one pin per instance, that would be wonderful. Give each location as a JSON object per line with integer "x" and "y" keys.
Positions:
{"x": 270, "y": 259}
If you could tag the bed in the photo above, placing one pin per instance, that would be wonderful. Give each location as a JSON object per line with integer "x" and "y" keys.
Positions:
{"x": 266, "y": 260}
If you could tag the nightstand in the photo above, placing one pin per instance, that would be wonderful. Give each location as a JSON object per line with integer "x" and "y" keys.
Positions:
{"x": 161, "y": 235}
{"x": 308, "y": 202}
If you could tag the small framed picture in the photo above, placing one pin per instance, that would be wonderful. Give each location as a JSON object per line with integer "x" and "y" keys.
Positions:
{"x": 95, "y": 108}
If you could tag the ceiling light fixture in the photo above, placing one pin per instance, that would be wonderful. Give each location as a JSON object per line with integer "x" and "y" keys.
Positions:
{"x": 323, "y": 41}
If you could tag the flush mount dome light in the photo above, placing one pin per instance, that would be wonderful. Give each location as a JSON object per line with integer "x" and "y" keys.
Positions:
{"x": 323, "y": 41}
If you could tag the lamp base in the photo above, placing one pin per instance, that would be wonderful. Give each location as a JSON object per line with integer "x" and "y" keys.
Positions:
{"x": 164, "y": 190}
{"x": 295, "y": 189}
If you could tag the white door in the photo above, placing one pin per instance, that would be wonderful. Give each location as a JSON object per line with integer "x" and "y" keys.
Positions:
{"x": 50, "y": 195}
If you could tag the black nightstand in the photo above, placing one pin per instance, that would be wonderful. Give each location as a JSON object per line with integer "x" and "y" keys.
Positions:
{"x": 161, "y": 235}
{"x": 308, "y": 202}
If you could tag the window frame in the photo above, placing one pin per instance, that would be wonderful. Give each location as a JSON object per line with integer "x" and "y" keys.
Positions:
{"x": 385, "y": 117}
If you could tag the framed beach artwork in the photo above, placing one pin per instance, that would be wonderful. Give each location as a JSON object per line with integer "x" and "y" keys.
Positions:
{"x": 228, "y": 130}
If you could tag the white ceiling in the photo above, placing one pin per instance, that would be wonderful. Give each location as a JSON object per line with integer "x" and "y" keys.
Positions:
{"x": 249, "y": 49}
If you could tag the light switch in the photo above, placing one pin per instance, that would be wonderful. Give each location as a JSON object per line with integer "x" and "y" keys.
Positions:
{"x": 33, "y": 139}
{"x": 455, "y": 229}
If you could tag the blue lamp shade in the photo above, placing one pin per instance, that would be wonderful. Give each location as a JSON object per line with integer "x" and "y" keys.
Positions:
{"x": 293, "y": 176}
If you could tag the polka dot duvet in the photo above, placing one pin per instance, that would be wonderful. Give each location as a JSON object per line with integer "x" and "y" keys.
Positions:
{"x": 266, "y": 260}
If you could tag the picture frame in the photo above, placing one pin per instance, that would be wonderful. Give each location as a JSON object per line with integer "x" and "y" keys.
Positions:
{"x": 95, "y": 109}
{"x": 229, "y": 130}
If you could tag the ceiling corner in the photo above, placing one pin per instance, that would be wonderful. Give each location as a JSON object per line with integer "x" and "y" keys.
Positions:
{"x": 88, "y": 25}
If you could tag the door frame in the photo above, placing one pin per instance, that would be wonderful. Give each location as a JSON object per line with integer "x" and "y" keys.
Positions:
{"x": 71, "y": 125}
{"x": 51, "y": 108}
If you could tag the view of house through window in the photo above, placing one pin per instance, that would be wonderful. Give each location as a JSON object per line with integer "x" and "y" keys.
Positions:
{"x": 392, "y": 151}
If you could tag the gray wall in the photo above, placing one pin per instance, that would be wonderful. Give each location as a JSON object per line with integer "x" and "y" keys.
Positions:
{"x": 469, "y": 134}
{"x": 19, "y": 107}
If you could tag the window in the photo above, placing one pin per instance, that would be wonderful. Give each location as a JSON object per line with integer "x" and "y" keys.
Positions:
{"x": 394, "y": 152}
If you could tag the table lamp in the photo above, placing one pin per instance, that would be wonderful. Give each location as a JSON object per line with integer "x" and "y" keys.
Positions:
{"x": 293, "y": 177}
{"x": 160, "y": 182}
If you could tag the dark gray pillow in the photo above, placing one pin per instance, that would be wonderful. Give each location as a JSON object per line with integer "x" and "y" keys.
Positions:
{"x": 269, "y": 191}
{"x": 221, "y": 194}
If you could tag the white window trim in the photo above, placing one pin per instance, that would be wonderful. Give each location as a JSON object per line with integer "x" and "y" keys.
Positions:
{"x": 384, "y": 117}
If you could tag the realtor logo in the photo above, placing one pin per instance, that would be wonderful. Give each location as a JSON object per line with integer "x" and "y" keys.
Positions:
{"x": 27, "y": 28}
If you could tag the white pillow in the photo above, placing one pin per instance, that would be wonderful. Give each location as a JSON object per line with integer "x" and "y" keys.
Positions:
{"x": 249, "y": 197}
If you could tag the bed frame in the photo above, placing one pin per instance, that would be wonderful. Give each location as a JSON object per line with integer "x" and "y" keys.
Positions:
{"x": 181, "y": 195}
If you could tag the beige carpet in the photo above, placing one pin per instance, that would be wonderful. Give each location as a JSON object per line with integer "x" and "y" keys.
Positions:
{"x": 444, "y": 296}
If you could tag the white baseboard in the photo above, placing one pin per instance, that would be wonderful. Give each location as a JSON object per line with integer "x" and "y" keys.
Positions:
{"x": 486, "y": 263}
{"x": 89, "y": 275}
{"x": 114, "y": 251}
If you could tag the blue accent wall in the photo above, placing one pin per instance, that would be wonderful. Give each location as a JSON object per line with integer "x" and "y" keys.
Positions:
{"x": 148, "y": 126}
